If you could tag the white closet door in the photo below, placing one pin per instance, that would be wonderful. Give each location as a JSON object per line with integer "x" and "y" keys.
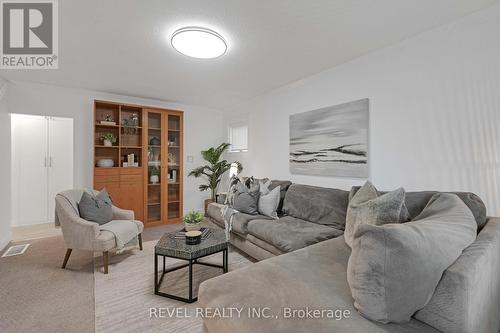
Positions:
{"x": 29, "y": 171}
{"x": 60, "y": 159}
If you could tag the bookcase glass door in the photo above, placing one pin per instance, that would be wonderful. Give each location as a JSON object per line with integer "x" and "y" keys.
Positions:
{"x": 174, "y": 166}
{"x": 155, "y": 168}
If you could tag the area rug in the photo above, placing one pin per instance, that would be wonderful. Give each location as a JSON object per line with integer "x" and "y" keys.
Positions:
{"x": 125, "y": 300}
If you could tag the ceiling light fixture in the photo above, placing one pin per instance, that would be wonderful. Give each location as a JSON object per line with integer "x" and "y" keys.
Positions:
{"x": 198, "y": 42}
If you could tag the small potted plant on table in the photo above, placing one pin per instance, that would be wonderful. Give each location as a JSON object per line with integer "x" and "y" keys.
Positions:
{"x": 192, "y": 220}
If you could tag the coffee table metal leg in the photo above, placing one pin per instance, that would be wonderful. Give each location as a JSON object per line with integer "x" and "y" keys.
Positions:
{"x": 156, "y": 274}
{"x": 225, "y": 261}
{"x": 191, "y": 299}
{"x": 190, "y": 280}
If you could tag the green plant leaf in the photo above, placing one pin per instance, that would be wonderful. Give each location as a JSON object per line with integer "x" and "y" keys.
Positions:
{"x": 215, "y": 168}
{"x": 203, "y": 187}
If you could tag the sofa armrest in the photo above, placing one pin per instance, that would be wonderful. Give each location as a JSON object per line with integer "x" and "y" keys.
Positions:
{"x": 123, "y": 214}
{"x": 467, "y": 298}
{"x": 214, "y": 211}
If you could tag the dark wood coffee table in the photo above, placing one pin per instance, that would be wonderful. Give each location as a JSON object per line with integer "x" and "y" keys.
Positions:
{"x": 169, "y": 246}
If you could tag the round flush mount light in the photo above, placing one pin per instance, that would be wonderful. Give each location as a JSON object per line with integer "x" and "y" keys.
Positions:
{"x": 198, "y": 42}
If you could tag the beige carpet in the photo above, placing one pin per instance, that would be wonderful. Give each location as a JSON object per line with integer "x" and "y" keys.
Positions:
{"x": 123, "y": 298}
{"x": 36, "y": 295}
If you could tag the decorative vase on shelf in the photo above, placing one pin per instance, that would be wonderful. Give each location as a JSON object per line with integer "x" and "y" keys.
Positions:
{"x": 154, "y": 141}
{"x": 154, "y": 179}
{"x": 108, "y": 143}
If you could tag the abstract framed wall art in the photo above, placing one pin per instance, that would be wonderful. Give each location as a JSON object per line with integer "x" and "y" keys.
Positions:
{"x": 331, "y": 141}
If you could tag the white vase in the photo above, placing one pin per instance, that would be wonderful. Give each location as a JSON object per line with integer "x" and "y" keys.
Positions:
{"x": 108, "y": 143}
{"x": 192, "y": 226}
{"x": 154, "y": 179}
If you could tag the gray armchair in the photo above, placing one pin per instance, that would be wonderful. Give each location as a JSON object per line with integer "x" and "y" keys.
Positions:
{"x": 85, "y": 235}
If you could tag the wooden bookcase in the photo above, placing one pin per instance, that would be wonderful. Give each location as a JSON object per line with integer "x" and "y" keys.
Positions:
{"x": 155, "y": 138}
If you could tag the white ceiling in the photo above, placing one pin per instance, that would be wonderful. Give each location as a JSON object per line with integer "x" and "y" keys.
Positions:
{"x": 122, "y": 46}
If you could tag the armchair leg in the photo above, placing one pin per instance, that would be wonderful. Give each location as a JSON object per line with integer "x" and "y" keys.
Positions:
{"x": 140, "y": 241}
{"x": 66, "y": 258}
{"x": 105, "y": 258}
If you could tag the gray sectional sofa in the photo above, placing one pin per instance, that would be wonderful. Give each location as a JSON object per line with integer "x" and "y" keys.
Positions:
{"x": 307, "y": 270}
{"x": 308, "y": 215}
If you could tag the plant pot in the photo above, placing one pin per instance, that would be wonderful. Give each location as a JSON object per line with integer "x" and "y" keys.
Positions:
{"x": 108, "y": 143}
{"x": 192, "y": 226}
{"x": 207, "y": 202}
{"x": 154, "y": 179}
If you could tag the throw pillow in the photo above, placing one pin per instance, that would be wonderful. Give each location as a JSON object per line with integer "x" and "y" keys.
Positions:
{"x": 232, "y": 190}
{"x": 96, "y": 208}
{"x": 367, "y": 207}
{"x": 283, "y": 185}
{"x": 394, "y": 269}
{"x": 264, "y": 186}
{"x": 246, "y": 200}
{"x": 268, "y": 204}
{"x": 249, "y": 182}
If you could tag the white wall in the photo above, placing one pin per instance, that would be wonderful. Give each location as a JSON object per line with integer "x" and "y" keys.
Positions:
{"x": 434, "y": 114}
{"x": 5, "y": 233}
{"x": 203, "y": 127}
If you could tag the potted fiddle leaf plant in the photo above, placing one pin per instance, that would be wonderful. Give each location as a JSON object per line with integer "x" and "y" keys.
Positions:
{"x": 213, "y": 171}
{"x": 192, "y": 220}
{"x": 108, "y": 139}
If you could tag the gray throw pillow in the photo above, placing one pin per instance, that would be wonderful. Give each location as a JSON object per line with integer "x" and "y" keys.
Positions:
{"x": 394, "y": 269}
{"x": 246, "y": 200}
{"x": 367, "y": 207}
{"x": 264, "y": 186}
{"x": 268, "y": 204}
{"x": 96, "y": 208}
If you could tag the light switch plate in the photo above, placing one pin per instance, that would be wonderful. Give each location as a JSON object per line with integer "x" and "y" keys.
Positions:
{"x": 190, "y": 158}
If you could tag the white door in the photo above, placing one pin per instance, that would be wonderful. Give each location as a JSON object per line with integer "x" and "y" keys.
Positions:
{"x": 60, "y": 159}
{"x": 29, "y": 169}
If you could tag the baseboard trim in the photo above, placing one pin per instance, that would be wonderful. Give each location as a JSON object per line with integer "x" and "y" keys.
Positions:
{"x": 5, "y": 241}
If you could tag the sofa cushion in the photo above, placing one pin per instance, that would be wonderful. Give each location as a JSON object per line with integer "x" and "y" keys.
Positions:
{"x": 416, "y": 201}
{"x": 290, "y": 233}
{"x": 320, "y": 205}
{"x": 266, "y": 246}
{"x": 313, "y": 277}
{"x": 395, "y": 268}
{"x": 284, "y": 185}
{"x": 367, "y": 207}
{"x": 240, "y": 221}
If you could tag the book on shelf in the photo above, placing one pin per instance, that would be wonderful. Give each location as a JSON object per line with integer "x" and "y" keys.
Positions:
{"x": 104, "y": 122}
